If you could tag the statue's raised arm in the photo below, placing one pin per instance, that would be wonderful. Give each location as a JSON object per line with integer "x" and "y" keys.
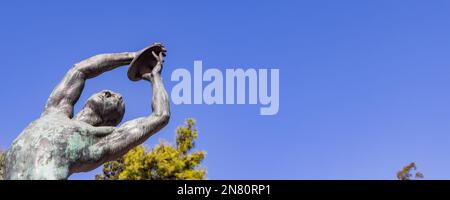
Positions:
{"x": 68, "y": 91}
{"x": 135, "y": 132}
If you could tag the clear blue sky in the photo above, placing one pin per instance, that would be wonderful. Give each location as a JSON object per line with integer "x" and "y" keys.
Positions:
{"x": 364, "y": 84}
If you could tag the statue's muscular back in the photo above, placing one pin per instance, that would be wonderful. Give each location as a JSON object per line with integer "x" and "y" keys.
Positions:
{"x": 52, "y": 142}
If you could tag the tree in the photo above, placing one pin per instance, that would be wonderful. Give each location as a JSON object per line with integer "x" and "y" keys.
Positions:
{"x": 163, "y": 162}
{"x": 407, "y": 172}
{"x": 1, "y": 164}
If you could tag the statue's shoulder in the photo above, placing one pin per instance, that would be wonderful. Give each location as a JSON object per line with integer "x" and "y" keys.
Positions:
{"x": 53, "y": 117}
{"x": 49, "y": 122}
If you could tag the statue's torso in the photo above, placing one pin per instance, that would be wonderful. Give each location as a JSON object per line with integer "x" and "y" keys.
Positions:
{"x": 47, "y": 148}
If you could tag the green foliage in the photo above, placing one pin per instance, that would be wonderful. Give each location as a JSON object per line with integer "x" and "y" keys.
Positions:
{"x": 406, "y": 173}
{"x": 163, "y": 162}
{"x": 1, "y": 164}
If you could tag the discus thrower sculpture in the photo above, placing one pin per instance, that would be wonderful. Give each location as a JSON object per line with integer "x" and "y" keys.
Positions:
{"x": 59, "y": 144}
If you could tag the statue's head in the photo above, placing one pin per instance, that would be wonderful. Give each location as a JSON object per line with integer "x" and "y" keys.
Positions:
{"x": 105, "y": 108}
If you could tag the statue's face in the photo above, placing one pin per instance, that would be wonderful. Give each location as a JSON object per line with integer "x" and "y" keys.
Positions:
{"x": 107, "y": 105}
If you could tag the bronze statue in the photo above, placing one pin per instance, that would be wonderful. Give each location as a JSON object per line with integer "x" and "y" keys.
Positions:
{"x": 58, "y": 144}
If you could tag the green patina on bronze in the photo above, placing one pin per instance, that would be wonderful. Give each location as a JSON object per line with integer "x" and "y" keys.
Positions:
{"x": 59, "y": 144}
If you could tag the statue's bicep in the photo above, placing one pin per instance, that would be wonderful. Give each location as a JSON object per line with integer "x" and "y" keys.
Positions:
{"x": 102, "y": 131}
{"x": 68, "y": 91}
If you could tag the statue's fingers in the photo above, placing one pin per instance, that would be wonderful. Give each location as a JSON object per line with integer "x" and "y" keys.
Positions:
{"x": 154, "y": 55}
{"x": 161, "y": 56}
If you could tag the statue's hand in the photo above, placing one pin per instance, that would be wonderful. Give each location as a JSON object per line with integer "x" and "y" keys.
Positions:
{"x": 156, "y": 71}
{"x": 147, "y": 76}
{"x": 160, "y": 60}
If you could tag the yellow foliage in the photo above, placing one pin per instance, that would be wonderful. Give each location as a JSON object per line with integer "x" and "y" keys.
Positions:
{"x": 163, "y": 162}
